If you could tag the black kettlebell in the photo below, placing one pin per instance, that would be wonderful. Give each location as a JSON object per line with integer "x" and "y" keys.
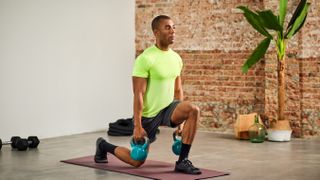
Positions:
{"x": 176, "y": 146}
{"x": 139, "y": 150}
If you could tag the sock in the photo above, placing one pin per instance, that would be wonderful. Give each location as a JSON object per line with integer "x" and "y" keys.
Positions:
{"x": 185, "y": 148}
{"x": 107, "y": 147}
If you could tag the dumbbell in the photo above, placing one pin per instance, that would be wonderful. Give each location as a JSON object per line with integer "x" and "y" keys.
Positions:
{"x": 31, "y": 142}
{"x": 139, "y": 151}
{"x": 176, "y": 146}
{"x": 12, "y": 142}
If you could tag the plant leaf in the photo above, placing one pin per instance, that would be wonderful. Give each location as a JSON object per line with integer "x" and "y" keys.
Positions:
{"x": 300, "y": 25}
{"x": 298, "y": 22}
{"x": 254, "y": 20}
{"x": 269, "y": 20}
{"x": 256, "y": 55}
{"x": 297, "y": 12}
{"x": 283, "y": 11}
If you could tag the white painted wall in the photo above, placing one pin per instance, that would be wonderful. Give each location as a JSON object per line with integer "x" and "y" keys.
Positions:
{"x": 65, "y": 65}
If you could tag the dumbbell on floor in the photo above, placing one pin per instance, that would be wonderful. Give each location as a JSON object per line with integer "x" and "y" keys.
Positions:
{"x": 12, "y": 142}
{"x": 31, "y": 142}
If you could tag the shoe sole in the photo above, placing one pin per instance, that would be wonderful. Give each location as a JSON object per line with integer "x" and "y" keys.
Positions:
{"x": 100, "y": 161}
{"x": 185, "y": 172}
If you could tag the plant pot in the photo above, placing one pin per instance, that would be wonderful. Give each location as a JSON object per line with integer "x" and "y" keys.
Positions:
{"x": 280, "y": 131}
{"x": 279, "y": 135}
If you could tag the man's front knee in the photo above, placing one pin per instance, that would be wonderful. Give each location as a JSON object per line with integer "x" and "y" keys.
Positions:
{"x": 195, "y": 110}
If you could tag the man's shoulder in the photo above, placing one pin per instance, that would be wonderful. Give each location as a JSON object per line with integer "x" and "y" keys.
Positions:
{"x": 147, "y": 57}
{"x": 147, "y": 52}
{"x": 175, "y": 53}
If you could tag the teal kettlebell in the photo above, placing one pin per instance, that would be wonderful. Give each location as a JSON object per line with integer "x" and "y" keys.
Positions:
{"x": 139, "y": 150}
{"x": 176, "y": 146}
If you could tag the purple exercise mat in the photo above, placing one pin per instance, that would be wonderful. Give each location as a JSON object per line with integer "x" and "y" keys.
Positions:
{"x": 150, "y": 169}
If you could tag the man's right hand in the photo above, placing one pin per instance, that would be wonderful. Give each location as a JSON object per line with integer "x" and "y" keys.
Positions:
{"x": 138, "y": 133}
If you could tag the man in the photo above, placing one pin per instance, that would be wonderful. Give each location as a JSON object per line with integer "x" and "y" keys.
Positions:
{"x": 158, "y": 99}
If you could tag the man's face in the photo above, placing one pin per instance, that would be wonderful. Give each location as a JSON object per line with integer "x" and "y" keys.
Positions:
{"x": 165, "y": 32}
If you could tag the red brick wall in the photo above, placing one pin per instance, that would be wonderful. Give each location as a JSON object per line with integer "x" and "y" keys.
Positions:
{"x": 214, "y": 40}
{"x": 212, "y": 80}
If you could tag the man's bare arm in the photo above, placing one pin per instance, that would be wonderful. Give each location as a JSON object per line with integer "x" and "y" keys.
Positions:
{"x": 139, "y": 89}
{"x": 178, "y": 92}
{"x": 178, "y": 95}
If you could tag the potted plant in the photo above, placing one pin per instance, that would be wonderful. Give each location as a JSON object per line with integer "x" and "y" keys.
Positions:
{"x": 272, "y": 27}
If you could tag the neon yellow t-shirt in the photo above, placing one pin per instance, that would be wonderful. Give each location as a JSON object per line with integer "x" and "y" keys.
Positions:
{"x": 161, "y": 68}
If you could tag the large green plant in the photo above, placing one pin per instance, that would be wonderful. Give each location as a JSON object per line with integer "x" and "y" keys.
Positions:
{"x": 272, "y": 27}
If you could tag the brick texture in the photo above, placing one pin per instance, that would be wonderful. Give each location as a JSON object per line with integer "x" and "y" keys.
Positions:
{"x": 214, "y": 41}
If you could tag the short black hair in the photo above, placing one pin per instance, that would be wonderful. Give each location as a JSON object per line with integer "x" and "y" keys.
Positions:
{"x": 156, "y": 21}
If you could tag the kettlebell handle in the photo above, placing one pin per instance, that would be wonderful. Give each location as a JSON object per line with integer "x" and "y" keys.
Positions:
{"x": 144, "y": 146}
{"x": 174, "y": 136}
{"x": 146, "y": 143}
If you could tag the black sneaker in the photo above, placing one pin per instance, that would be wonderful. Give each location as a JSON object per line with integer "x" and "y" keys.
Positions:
{"x": 185, "y": 166}
{"x": 100, "y": 157}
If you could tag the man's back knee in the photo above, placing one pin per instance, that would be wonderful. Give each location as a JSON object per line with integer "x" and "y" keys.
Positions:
{"x": 137, "y": 163}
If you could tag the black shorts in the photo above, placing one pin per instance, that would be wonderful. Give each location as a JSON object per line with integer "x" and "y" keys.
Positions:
{"x": 163, "y": 118}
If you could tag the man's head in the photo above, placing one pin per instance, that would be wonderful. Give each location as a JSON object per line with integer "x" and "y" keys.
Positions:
{"x": 164, "y": 30}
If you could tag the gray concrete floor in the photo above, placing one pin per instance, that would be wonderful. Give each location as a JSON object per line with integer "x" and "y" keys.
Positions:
{"x": 298, "y": 159}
